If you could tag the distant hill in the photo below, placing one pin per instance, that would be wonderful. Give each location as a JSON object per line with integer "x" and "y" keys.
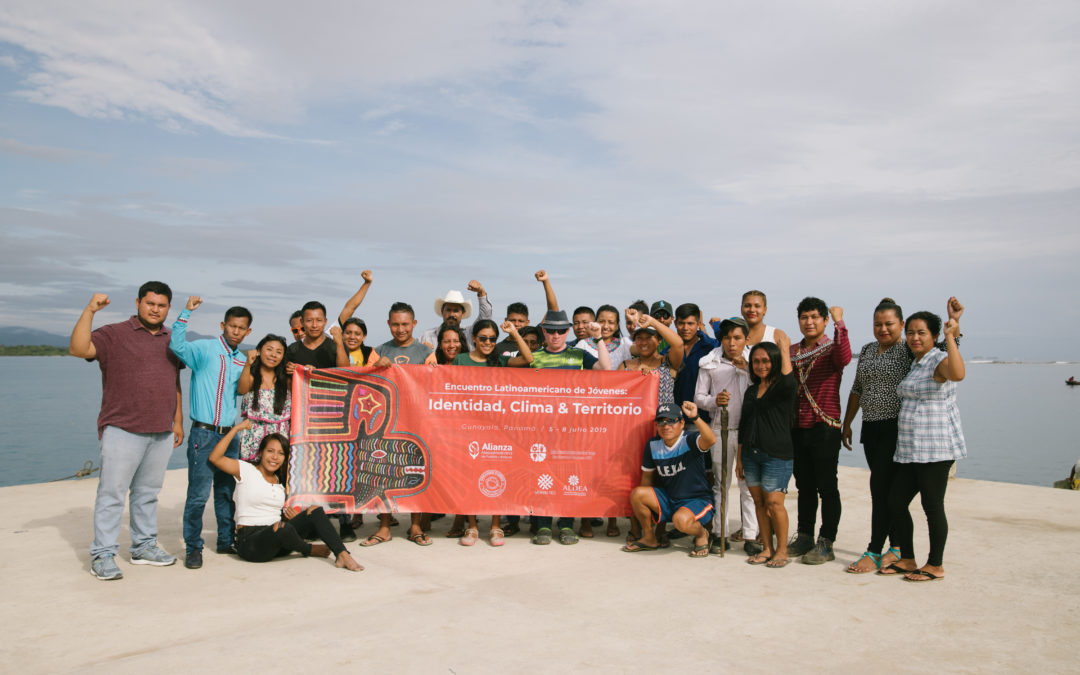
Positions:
{"x": 20, "y": 335}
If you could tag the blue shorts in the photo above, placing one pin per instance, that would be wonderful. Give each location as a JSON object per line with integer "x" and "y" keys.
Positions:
{"x": 764, "y": 471}
{"x": 701, "y": 508}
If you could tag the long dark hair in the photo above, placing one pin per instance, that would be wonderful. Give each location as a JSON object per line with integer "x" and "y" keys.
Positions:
{"x": 281, "y": 382}
{"x": 775, "y": 359}
{"x": 492, "y": 358}
{"x": 283, "y": 471}
{"x": 365, "y": 351}
{"x": 440, "y": 357}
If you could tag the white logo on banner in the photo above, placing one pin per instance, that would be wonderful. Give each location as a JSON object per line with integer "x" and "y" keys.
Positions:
{"x": 544, "y": 482}
{"x": 492, "y": 483}
{"x": 538, "y": 452}
{"x": 474, "y": 449}
{"x": 573, "y": 480}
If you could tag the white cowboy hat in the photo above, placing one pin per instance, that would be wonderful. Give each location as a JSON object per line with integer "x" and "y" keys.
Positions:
{"x": 454, "y": 298}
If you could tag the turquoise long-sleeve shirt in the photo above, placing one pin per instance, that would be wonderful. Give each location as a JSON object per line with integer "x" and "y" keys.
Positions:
{"x": 215, "y": 369}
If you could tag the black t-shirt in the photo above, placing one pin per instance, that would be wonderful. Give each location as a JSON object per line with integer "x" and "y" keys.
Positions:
{"x": 323, "y": 356}
{"x": 766, "y": 421}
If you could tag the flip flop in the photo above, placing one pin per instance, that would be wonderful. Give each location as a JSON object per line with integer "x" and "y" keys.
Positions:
{"x": 637, "y": 547}
{"x": 373, "y": 540}
{"x": 420, "y": 539}
{"x": 776, "y": 564}
{"x": 928, "y": 576}
{"x": 752, "y": 560}
{"x": 612, "y": 531}
{"x": 701, "y": 551}
{"x": 896, "y": 571}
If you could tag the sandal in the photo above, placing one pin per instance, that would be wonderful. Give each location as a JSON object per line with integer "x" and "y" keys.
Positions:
{"x": 758, "y": 559}
{"x": 919, "y": 576}
{"x": 455, "y": 533}
{"x": 373, "y": 540}
{"x": 874, "y": 557}
{"x": 420, "y": 539}
{"x": 471, "y": 535}
{"x": 777, "y": 563}
{"x": 612, "y": 530}
{"x": 496, "y": 537}
{"x": 896, "y": 571}
{"x": 637, "y": 547}
{"x": 737, "y": 536}
{"x": 700, "y": 551}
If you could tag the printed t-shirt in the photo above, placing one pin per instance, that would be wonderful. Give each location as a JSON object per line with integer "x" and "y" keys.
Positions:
{"x": 257, "y": 502}
{"x": 680, "y": 470}
{"x": 570, "y": 358}
{"x": 323, "y": 356}
{"x": 414, "y": 353}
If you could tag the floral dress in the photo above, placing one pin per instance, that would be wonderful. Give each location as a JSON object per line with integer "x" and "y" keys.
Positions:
{"x": 263, "y": 421}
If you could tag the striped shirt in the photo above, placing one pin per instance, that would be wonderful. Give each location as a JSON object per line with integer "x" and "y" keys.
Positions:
{"x": 929, "y": 425}
{"x": 818, "y": 372}
{"x": 215, "y": 370}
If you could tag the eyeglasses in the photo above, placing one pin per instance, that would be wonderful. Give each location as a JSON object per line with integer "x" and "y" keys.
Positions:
{"x": 485, "y": 338}
{"x": 556, "y": 331}
{"x": 665, "y": 422}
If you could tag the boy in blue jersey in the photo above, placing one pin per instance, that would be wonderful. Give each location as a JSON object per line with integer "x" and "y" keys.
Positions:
{"x": 216, "y": 366}
{"x": 674, "y": 487}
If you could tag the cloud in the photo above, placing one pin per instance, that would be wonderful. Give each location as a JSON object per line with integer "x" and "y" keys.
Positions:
{"x": 48, "y": 153}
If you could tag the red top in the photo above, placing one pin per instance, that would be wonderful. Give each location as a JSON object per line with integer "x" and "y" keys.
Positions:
{"x": 818, "y": 372}
{"x": 138, "y": 377}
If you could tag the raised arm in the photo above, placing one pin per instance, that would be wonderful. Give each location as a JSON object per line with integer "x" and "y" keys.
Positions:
{"x": 707, "y": 438}
{"x": 603, "y": 358}
{"x": 676, "y": 351}
{"x": 81, "y": 345}
{"x": 952, "y": 368}
{"x": 178, "y": 342}
{"x": 217, "y": 455}
{"x": 841, "y": 351}
{"x": 482, "y": 300}
{"x": 524, "y": 356}
{"x": 357, "y": 298}
{"x": 247, "y": 376}
{"x": 549, "y": 293}
{"x": 339, "y": 342}
{"x": 784, "y": 344}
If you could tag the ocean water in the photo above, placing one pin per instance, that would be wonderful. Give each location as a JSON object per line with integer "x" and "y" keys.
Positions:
{"x": 1020, "y": 420}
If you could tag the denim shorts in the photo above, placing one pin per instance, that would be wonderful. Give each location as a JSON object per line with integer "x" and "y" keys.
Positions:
{"x": 764, "y": 471}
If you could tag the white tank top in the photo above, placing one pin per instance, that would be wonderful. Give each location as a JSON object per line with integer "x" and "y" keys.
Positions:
{"x": 768, "y": 337}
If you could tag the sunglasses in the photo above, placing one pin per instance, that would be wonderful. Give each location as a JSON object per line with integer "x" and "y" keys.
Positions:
{"x": 666, "y": 422}
{"x": 556, "y": 331}
{"x": 485, "y": 338}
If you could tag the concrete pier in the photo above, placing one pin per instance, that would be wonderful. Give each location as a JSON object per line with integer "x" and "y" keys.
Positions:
{"x": 1010, "y": 601}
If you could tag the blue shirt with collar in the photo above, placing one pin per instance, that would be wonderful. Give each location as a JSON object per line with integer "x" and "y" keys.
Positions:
{"x": 215, "y": 369}
{"x": 686, "y": 380}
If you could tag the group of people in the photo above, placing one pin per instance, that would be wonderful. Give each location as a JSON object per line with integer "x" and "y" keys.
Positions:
{"x": 760, "y": 406}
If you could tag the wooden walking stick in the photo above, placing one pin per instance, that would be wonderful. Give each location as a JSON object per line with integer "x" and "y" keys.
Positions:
{"x": 723, "y": 478}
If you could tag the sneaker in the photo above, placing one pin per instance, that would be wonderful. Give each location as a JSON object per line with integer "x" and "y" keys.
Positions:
{"x": 800, "y": 545}
{"x": 753, "y": 547}
{"x": 152, "y": 554}
{"x": 193, "y": 560}
{"x": 567, "y": 536}
{"x": 104, "y": 567}
{"x": 821, "y": 554}
{"x": 229, "y": 549}
{"x": 542, "y": 536}
{"x": 347, "y": 532}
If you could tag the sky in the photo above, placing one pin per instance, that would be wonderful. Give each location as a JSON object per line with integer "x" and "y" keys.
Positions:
{"x": 265, "y": 153}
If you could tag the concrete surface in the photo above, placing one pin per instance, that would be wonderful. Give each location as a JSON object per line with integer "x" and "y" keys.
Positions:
{"x": 1010, "y": 601}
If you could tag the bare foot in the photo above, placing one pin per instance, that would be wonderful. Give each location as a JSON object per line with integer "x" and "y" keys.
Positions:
{"x": 346, "y": 561}
{"x": 320, "y": 551}
{"x": 612, "y": 528}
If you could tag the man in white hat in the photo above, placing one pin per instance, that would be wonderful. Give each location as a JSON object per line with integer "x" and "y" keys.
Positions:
{"x": 453, "y": 307}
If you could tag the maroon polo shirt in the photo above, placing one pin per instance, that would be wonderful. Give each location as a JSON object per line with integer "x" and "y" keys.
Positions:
{"x": 138, "y": 377}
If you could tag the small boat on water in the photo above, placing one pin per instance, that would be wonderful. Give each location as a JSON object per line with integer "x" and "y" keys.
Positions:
{"x": 1072, "y": 381}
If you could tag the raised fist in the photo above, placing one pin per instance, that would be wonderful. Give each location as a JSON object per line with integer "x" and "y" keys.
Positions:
{"x": 97, "y": 302}
{"x": 594, "y": 330}
{"x": 476, "y": 287}
{"x": 508, "y": 328}
{"x": 689, "y": 408}
{"x": 193, "y": 303}
{"x": 954, "y": 309}
{"x": 366, "y": 276}
{"x": 837, "y": 313}
{"x": 541, "y": 276}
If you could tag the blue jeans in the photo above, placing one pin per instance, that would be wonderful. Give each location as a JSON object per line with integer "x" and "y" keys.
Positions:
{"x": 765, "y": 471}
{"x": 130, "y": 464}
{"x": 201, "y": 474}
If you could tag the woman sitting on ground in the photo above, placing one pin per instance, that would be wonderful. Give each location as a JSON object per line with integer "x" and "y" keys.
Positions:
{"x": 929, "y": 440}
{"x": 483, "y": 354}
{"x": 765, "y": 453}
{"x": 264, "y": 528}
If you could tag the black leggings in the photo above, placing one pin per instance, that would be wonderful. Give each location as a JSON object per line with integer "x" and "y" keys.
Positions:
{"x": 261, "y": 543}
{"x": 929, "y": 481}
{"x": 879, "y": 445}
{"x": 817, "y": 451}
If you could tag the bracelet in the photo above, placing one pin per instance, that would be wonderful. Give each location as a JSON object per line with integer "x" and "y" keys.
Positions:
{"x": 695, "y": 418}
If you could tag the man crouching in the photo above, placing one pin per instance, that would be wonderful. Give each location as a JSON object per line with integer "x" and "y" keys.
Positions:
{"x": 674, "y": 487}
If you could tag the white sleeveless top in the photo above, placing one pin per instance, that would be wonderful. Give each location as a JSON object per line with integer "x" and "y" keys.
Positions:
{"x": 770, "y": 331}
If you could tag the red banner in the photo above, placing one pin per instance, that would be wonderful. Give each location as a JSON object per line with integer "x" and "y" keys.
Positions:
{"x": 454, "y": 439}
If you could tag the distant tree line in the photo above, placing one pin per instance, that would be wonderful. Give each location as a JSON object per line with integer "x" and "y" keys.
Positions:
{"x": 32, "y": 350}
